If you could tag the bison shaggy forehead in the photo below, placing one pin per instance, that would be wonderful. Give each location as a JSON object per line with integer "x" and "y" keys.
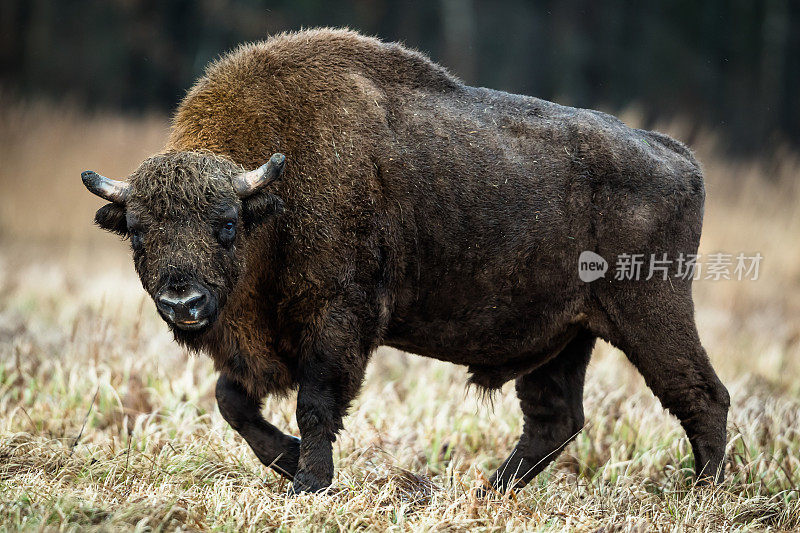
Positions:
{"x": 173, "y": 184}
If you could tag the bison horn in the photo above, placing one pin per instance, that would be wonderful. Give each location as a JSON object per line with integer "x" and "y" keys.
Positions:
{"x": 247, "y": 183}
{"x": 106, "y": 188}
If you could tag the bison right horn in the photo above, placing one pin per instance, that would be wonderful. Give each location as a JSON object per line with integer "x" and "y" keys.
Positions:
{"x": 247, "y": 183}
{"x": 106, "y": 188}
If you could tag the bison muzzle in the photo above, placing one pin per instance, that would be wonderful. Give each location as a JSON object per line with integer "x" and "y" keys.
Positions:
{"x": 413, "y": 211}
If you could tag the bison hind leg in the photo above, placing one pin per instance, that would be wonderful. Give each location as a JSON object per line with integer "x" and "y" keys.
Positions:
{"x": 551, "y": 398}
{"x": 656, "y": 331}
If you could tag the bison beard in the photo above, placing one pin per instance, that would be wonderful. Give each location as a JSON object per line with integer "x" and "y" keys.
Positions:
{"x": 415, "y": 212}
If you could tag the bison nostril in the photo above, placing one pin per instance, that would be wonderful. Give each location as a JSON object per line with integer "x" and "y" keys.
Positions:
{"x": 166, "y": 304}
{"x": 195, "y": 301}
{"x": 182, "y": 305}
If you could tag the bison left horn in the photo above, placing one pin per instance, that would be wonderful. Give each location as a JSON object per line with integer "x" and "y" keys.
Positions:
{"x": 248, "y": 183}
{"x": 106, "y": 188}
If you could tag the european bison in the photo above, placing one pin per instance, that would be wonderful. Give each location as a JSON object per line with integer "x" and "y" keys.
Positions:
{"x": 413, "y": 211}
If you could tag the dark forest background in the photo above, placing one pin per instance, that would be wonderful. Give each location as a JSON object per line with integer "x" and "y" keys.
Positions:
{"x": 733, "y": 66}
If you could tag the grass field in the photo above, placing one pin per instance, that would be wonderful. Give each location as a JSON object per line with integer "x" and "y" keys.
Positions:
{"x": 107, "y": 424}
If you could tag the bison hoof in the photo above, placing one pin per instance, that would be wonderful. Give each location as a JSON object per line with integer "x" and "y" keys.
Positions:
{"x": 306, "y": 483}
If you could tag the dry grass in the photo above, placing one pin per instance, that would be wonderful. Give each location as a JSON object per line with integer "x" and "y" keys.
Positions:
{"x": 105, "y": 423}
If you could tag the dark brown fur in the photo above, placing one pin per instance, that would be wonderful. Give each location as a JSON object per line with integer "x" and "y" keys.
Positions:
{"x": 424, "y": 214}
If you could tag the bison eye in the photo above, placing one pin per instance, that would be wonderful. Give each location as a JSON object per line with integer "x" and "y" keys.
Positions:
{"x": 227, "y": 233}
{"x": 136, "y": 239}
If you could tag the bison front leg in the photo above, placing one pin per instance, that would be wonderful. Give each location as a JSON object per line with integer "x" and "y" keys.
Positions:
{"x": 331, "y": 373}
{"x": 276, "y": 450}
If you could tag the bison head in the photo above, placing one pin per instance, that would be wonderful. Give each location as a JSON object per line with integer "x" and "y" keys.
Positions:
{"x": 186, "y": 215}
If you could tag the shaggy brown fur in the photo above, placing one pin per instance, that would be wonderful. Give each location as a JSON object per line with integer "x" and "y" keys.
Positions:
{"x": 416, "y": 212}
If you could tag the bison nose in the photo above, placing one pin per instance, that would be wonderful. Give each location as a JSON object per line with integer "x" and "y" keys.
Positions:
{"x": 185, "y": 308}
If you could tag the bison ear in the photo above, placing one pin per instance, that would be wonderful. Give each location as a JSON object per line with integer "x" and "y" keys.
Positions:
{"x": 111, "y": 217}
{"x": 259, "y": 208}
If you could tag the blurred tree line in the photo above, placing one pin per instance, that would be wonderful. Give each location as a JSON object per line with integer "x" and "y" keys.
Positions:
{"x": 732, "y": 65}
